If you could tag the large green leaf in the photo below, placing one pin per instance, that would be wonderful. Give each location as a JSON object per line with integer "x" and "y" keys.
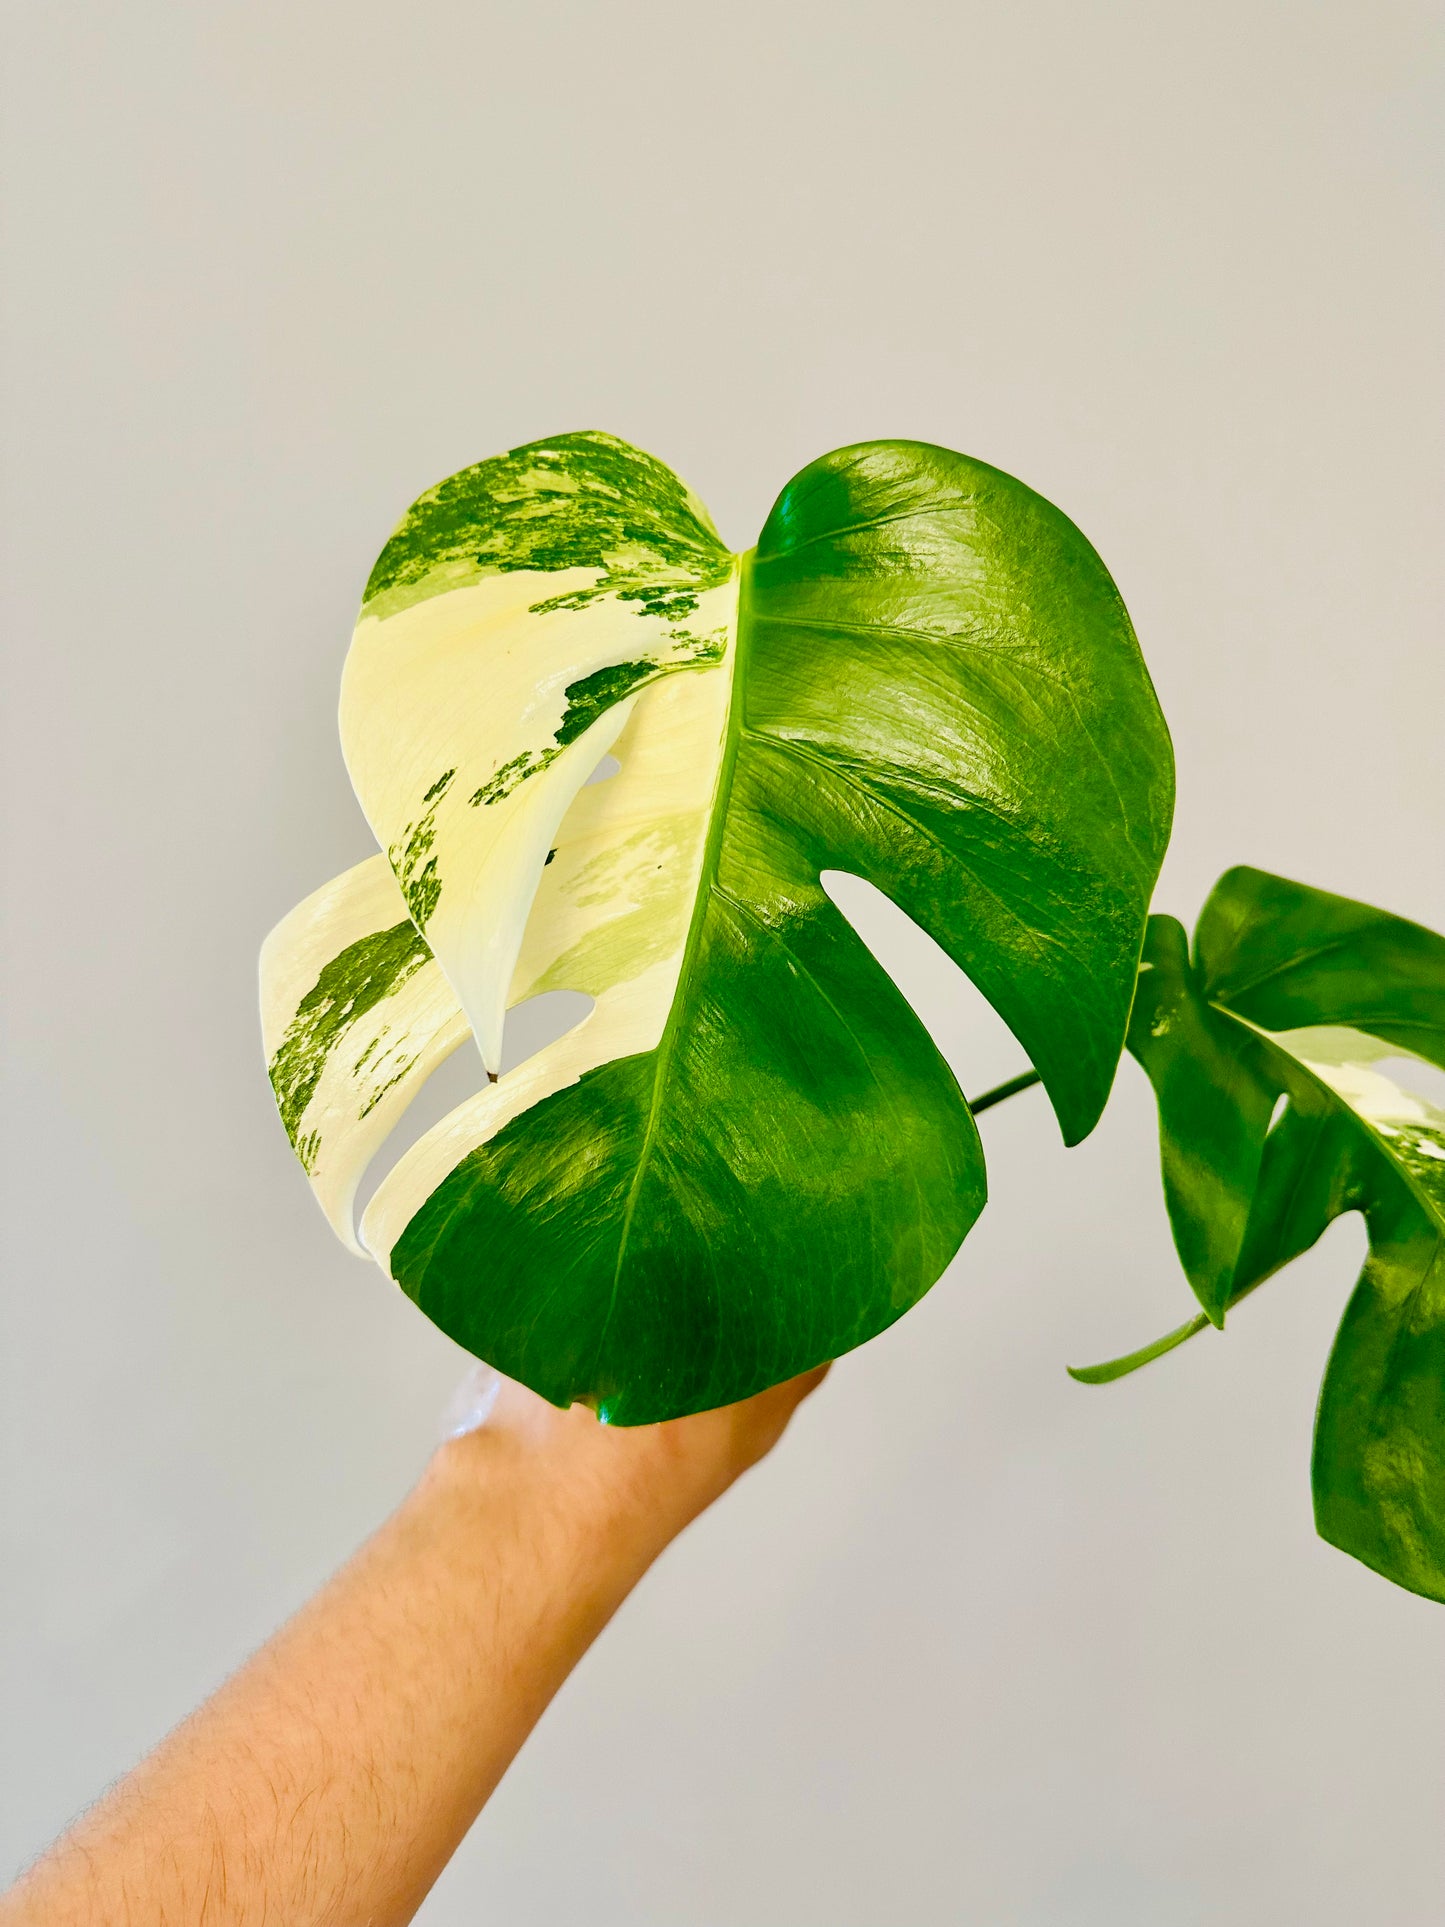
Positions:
{"x": 749, "y": 1156}
{"x": 1290, "y": 1062}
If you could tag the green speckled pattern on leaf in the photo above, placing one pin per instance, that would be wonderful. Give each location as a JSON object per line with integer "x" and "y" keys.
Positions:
{"x": 576, "y": 501}
{"x": 351, "y": 984}
{"x": 412, "y": 861}
{"x": 589, "y": 696}
{"x": 587, "y": 699}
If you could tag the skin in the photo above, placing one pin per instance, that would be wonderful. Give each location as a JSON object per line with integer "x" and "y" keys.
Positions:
{"x": 332, "y": 1778}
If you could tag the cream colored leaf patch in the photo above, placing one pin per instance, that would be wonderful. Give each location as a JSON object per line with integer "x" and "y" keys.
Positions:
{"x": 470, "y": 721}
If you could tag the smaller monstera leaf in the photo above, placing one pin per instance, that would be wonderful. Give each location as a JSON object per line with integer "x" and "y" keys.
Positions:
{"x": 1290, "y": 1060}
{"x": 749, "y": 1156}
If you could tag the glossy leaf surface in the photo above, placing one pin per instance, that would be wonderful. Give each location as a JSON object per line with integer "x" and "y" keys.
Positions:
{"x": 750, "y": 1156}
{"x": 1268, "y": 1135}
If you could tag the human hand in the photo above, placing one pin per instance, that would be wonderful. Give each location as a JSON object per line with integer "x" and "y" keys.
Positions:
{"x": 658, "y": 1477}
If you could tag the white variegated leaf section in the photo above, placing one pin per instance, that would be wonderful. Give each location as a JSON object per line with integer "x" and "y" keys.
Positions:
{"x": 450, "y": 713}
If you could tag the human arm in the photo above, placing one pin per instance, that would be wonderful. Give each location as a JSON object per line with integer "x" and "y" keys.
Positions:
{"x": 331, "y": 1778}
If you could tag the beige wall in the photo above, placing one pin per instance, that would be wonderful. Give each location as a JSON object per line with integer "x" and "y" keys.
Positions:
{"x": 982, "y": 1646}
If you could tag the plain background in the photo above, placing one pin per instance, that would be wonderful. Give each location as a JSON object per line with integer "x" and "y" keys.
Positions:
{"x": 980, "y": 1645}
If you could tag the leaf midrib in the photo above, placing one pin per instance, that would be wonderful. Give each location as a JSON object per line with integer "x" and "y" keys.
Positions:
{"x": 1296, "y": 962}
{"x": 707, "y": 876}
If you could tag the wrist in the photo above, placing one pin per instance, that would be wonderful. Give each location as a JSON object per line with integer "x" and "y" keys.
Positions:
{"x": 573, "y": 1490}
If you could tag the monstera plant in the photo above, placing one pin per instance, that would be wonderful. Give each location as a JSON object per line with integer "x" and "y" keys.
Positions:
{"x": 749, "y": 1156}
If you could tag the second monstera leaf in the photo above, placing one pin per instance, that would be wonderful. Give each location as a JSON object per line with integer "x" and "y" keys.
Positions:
{"x": 749, "y": 1156}
{"x": 1290, "y": 1056}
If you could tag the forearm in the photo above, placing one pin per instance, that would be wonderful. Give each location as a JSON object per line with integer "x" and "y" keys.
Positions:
{"x": 333, "y": 1776}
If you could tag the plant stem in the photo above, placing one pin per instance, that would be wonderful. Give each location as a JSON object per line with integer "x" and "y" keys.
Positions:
{"x": 1001, "y": 1091}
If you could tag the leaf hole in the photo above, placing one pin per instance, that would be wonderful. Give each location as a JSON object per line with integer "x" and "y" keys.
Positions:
{"x": 1416, "y": 1076}
{"x": 1276, "y": 1116}
{"x": 454, "y": 1080}
{"x": 609, "y": 766}
{"x": 530, "y": 1027}
{"x": 977, "y": 1044}
{"x": 540, "y": 1021}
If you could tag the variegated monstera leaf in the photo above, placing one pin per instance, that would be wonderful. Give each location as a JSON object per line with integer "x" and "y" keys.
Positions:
{"x": 749, "y": 1156}
{"x": 1291, "y": 1058}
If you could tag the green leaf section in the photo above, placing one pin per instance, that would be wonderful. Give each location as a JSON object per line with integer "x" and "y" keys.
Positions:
{"x": 1217, "y": 1088}
{"x": 577, "y": 501}
{"x": 945, "y": 678}
{"x": 783, "y": 1177}
{"x": 1267, "y": 1136}
{"x": 935, "y": 687}
{"x": 1285, "y": 955}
